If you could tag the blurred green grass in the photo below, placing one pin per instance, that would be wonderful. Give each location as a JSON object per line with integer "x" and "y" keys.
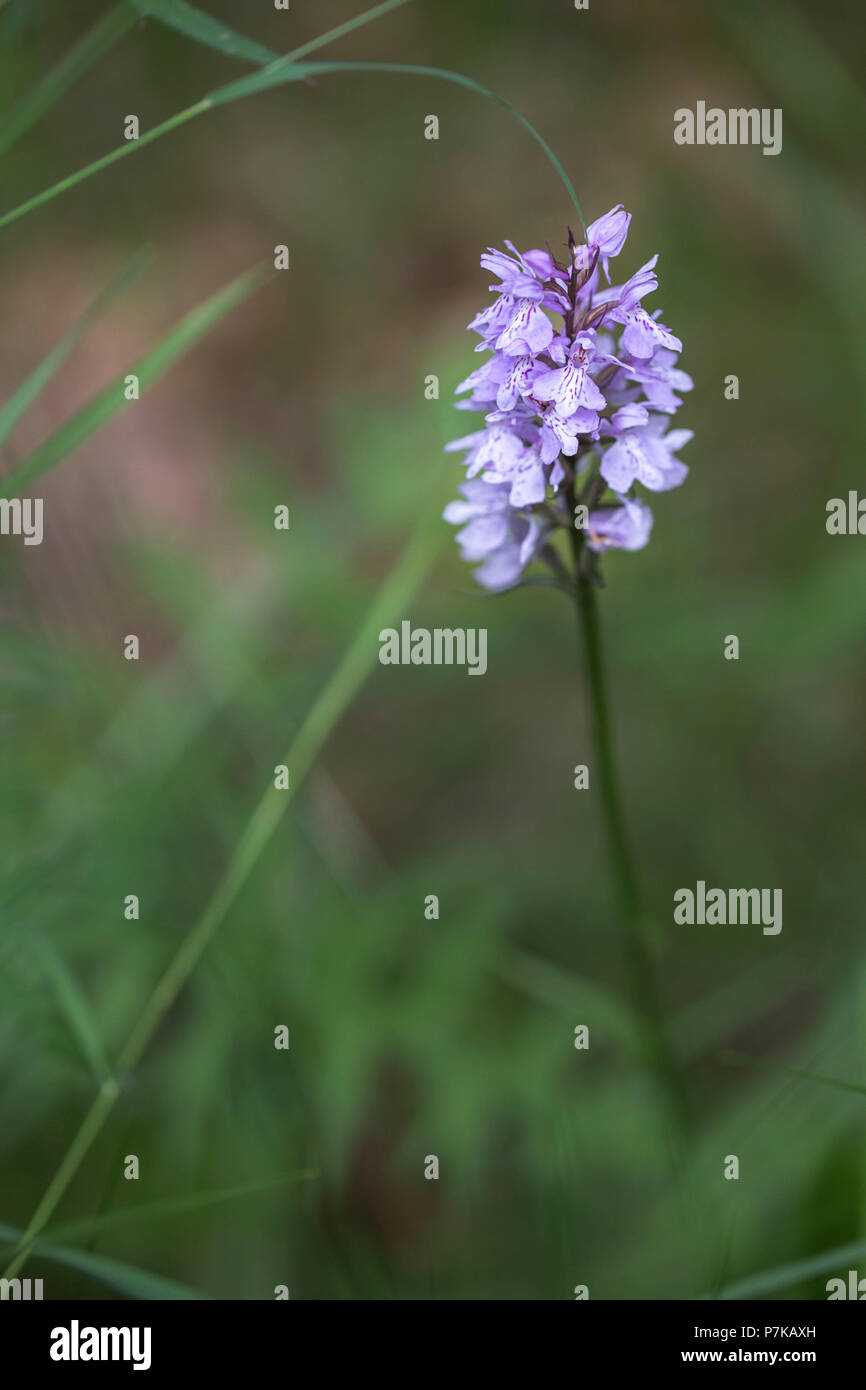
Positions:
{"x": 453, "y": 1037}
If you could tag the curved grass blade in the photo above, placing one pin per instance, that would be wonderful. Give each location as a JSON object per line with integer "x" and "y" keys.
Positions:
{"x": 285, "y": 71}
{"x": 139, "y": 1283}
{"x": 118, "y": 22}
{"x": 30, "y": 389}
{"x": 786, "y": 1276}
{"x": 80, "y": 59}
{"x": 275, "y": 76}
{"x": 204, "y": 29}
{"x": 103, "y": 407}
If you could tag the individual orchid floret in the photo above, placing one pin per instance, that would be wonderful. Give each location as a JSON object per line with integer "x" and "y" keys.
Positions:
{"x": 645, "y": 455}
{"x": 526, "y": 476}
{"x": 627, "y": 296}
{"x": 484, "y": 383}
{"x": 621, "y": 528}
{"x": 559, "y": 435}
{"x": 571, "y": 387}
{"x": 643, "y": 333}
{"x": 660, "y": 379}
{"x": 518, "y": 382}
{"x": 494, "y": 533}
{"x": 496, "y": 447}
{"x": 528, "y": 331}
{"x": 604, "y": 238}
{"x": 490, "y": 322}
{"x": 522, "y": 277}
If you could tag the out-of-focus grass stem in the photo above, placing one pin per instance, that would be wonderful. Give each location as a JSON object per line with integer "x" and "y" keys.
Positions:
{"x": 328, "y": 709}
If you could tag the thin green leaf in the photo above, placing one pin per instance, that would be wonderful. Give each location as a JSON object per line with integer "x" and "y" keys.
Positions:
{"x": 116, "y": 23}
{"x": 797, "y": 1272}
{"x": 325, "y": 714}
{"x": 284, "y": 71}
{"x": 139, "y": 1283}
{"x": 98, "y": 165}
{"x": 195, "y": 24}
{"x": 80, "y": 59}
{"x": 740, "y": 1059}
{"x": 201, "y": 27}
{"x": 561, "y": 989}
{"x": 173, "y": 1206}
{"x": 345, "y": 28}
{"x": 328, "y": 709}
{"x": 102, "y": 408}
{"x": 30, "y": 389}
{"x": 76, "y": 1010}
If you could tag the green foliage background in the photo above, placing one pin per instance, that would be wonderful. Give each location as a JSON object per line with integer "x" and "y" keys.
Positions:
{"x": 411, "y": 1037}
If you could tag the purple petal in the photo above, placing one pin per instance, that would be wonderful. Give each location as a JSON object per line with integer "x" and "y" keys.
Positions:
{"x": 528, "y": 332}
{"x": 609, "y": 232}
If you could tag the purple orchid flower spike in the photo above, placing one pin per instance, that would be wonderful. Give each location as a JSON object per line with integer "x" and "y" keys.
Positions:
{"x": 577, "y": 394}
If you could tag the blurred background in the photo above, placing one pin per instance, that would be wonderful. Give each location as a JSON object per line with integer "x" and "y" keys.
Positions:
{"x": 412, "y": 1037}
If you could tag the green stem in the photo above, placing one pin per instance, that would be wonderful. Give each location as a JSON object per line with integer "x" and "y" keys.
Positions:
{"x": 643, "y": 982}
{"x": 587, "y": 609}
{"x": 116, "y": 23}
{"x": 284, "y": 71}
{"x": 84, "y": 1137}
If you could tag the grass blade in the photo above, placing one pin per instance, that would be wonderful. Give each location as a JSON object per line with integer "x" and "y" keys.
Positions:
{"x": 328, "y": 709}
{"x": 76, "y": 1010}
{"x": 91, "y": 48}
{"x": 325, "y": 714}
{"x": 80, "y": 59}
{"x": 103, "y": 407}
{"x": 284, "y": 71}
{"x": 203, "y": 29}
{"x": 345, "y": 28}
{"x": 558, "y": 988}
{"x": 138, "y": 1283}
{"x": 173, "y": 1206}
{"x": 98, "y": 165}
{"x": 797, "y": 1272}
{"x": 296, "y": 72}
{"x": 30, "y": 389}
{"x": 740, "y": 1059}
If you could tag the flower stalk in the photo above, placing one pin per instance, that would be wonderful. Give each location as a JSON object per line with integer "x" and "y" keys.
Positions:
{"x": 642, "y": 978}
{"x": 576, "y": 416}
